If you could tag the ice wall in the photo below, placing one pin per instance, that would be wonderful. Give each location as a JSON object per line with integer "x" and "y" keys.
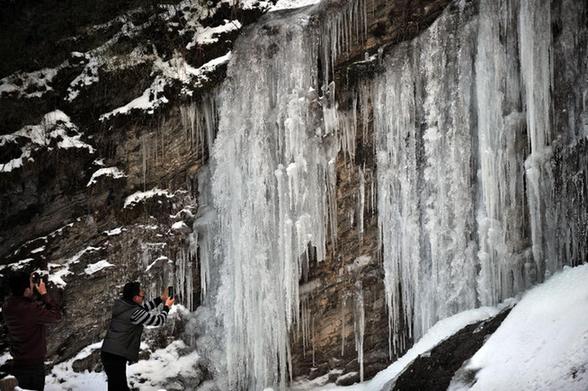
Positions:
{"x": 426, "y": 195}
{"x": 470, "y": 176}
{"x": 272, "y": 164}
{"x": 471, "y": 210}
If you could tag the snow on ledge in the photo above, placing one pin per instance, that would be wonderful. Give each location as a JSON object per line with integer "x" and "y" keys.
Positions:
{"x": 39, "y": 82}
{"x": 291, "y": 4}
{"x": 151, "y": 99}
{"x": 55, "y": 125}
{"x": 113, "y": 172}
{"x": 209, "y": 35}
{"x": 141, "y": 196}
{"x": 180, "y": 226}
{"x": 96, "y": 267}
{"x": 114, "y": 232}
{"x": 17, "y": 265}
{"x": 62, "y": 269}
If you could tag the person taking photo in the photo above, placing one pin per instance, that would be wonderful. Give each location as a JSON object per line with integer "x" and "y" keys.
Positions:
{"x": 122, "y": 341}
{"x": 26, "y": 319}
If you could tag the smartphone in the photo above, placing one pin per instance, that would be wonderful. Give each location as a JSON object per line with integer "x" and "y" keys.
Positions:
{"x": 170, "y": 291}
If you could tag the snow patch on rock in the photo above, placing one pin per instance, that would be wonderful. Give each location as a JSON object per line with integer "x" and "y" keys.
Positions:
{"x": 113, "y": 172}
{"x": 55, "y": 126}
{"x": 141, "y": 196}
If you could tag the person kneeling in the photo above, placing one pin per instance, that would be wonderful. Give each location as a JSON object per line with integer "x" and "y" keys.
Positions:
{"x": 122, "y": 341}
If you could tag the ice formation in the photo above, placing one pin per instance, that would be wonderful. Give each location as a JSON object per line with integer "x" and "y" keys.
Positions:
{"x": 272, "y": 183}
{"x": 465, "y": 186}
{"x": 465, "y": 166}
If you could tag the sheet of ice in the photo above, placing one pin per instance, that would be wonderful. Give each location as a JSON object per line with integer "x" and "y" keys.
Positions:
{"x": 270, "y": 185}
{"x": 424, "y": 178}
{"x": 113, "y": 172}
{"x": 96, "y": 267}
{"x": 541, "y": 345}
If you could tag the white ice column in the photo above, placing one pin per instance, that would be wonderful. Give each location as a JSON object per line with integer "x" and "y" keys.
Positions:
{"x": 506, "y": 265}
{"x": 272, "y": 167}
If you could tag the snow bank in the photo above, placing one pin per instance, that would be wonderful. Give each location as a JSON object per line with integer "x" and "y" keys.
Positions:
{"x": 113, "y": 172}
{"x": 542, "y": 344}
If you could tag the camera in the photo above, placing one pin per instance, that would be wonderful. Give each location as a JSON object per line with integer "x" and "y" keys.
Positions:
{"x": 37, "y": 277}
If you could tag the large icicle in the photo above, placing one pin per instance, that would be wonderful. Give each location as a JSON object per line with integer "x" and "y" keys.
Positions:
{"x": 535, "y": 43}
{"x": 505, "y": 259}
{"x": 424, "y": 154}
{"x": 271, "y": 173}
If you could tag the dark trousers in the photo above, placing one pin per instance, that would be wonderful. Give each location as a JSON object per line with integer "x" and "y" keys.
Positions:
{"x": 30, "y": 377}
{"x": 116, "y": 371}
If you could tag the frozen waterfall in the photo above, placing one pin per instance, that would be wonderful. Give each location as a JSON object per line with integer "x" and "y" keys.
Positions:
{"x": 272, "y": 163}
{"x": 467, "y": 176}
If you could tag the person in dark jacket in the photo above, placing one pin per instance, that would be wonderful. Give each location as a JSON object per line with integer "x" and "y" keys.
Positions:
{"x": 26, "y": 320}
{"x": 122, "y": 341}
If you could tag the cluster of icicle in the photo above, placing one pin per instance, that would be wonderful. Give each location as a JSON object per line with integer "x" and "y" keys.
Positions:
{"x": 461, "y": 124}
{"x": 462, "y": 117}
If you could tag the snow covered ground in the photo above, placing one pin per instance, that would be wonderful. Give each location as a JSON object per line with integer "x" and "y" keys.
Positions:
{"x": 439, "y": 332}
{"x": 159, "y": 372}
{"x": 541, "y": 345}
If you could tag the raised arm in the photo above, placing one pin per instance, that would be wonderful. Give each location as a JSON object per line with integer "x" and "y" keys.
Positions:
{"x": 151, "y": 304}
{"x": 48, "y": 311}
{"x": 144, "y": 317}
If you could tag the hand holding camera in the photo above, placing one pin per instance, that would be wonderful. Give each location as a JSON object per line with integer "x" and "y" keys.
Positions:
{"x": 168, "y": 296}
{"x": 39, "y": 283}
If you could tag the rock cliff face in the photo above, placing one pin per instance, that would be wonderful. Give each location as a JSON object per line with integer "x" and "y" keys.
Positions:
{"x": 108, "y": 115}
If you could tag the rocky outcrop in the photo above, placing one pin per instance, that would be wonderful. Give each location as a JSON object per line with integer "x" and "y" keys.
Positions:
{"x": 435, "y": 369}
